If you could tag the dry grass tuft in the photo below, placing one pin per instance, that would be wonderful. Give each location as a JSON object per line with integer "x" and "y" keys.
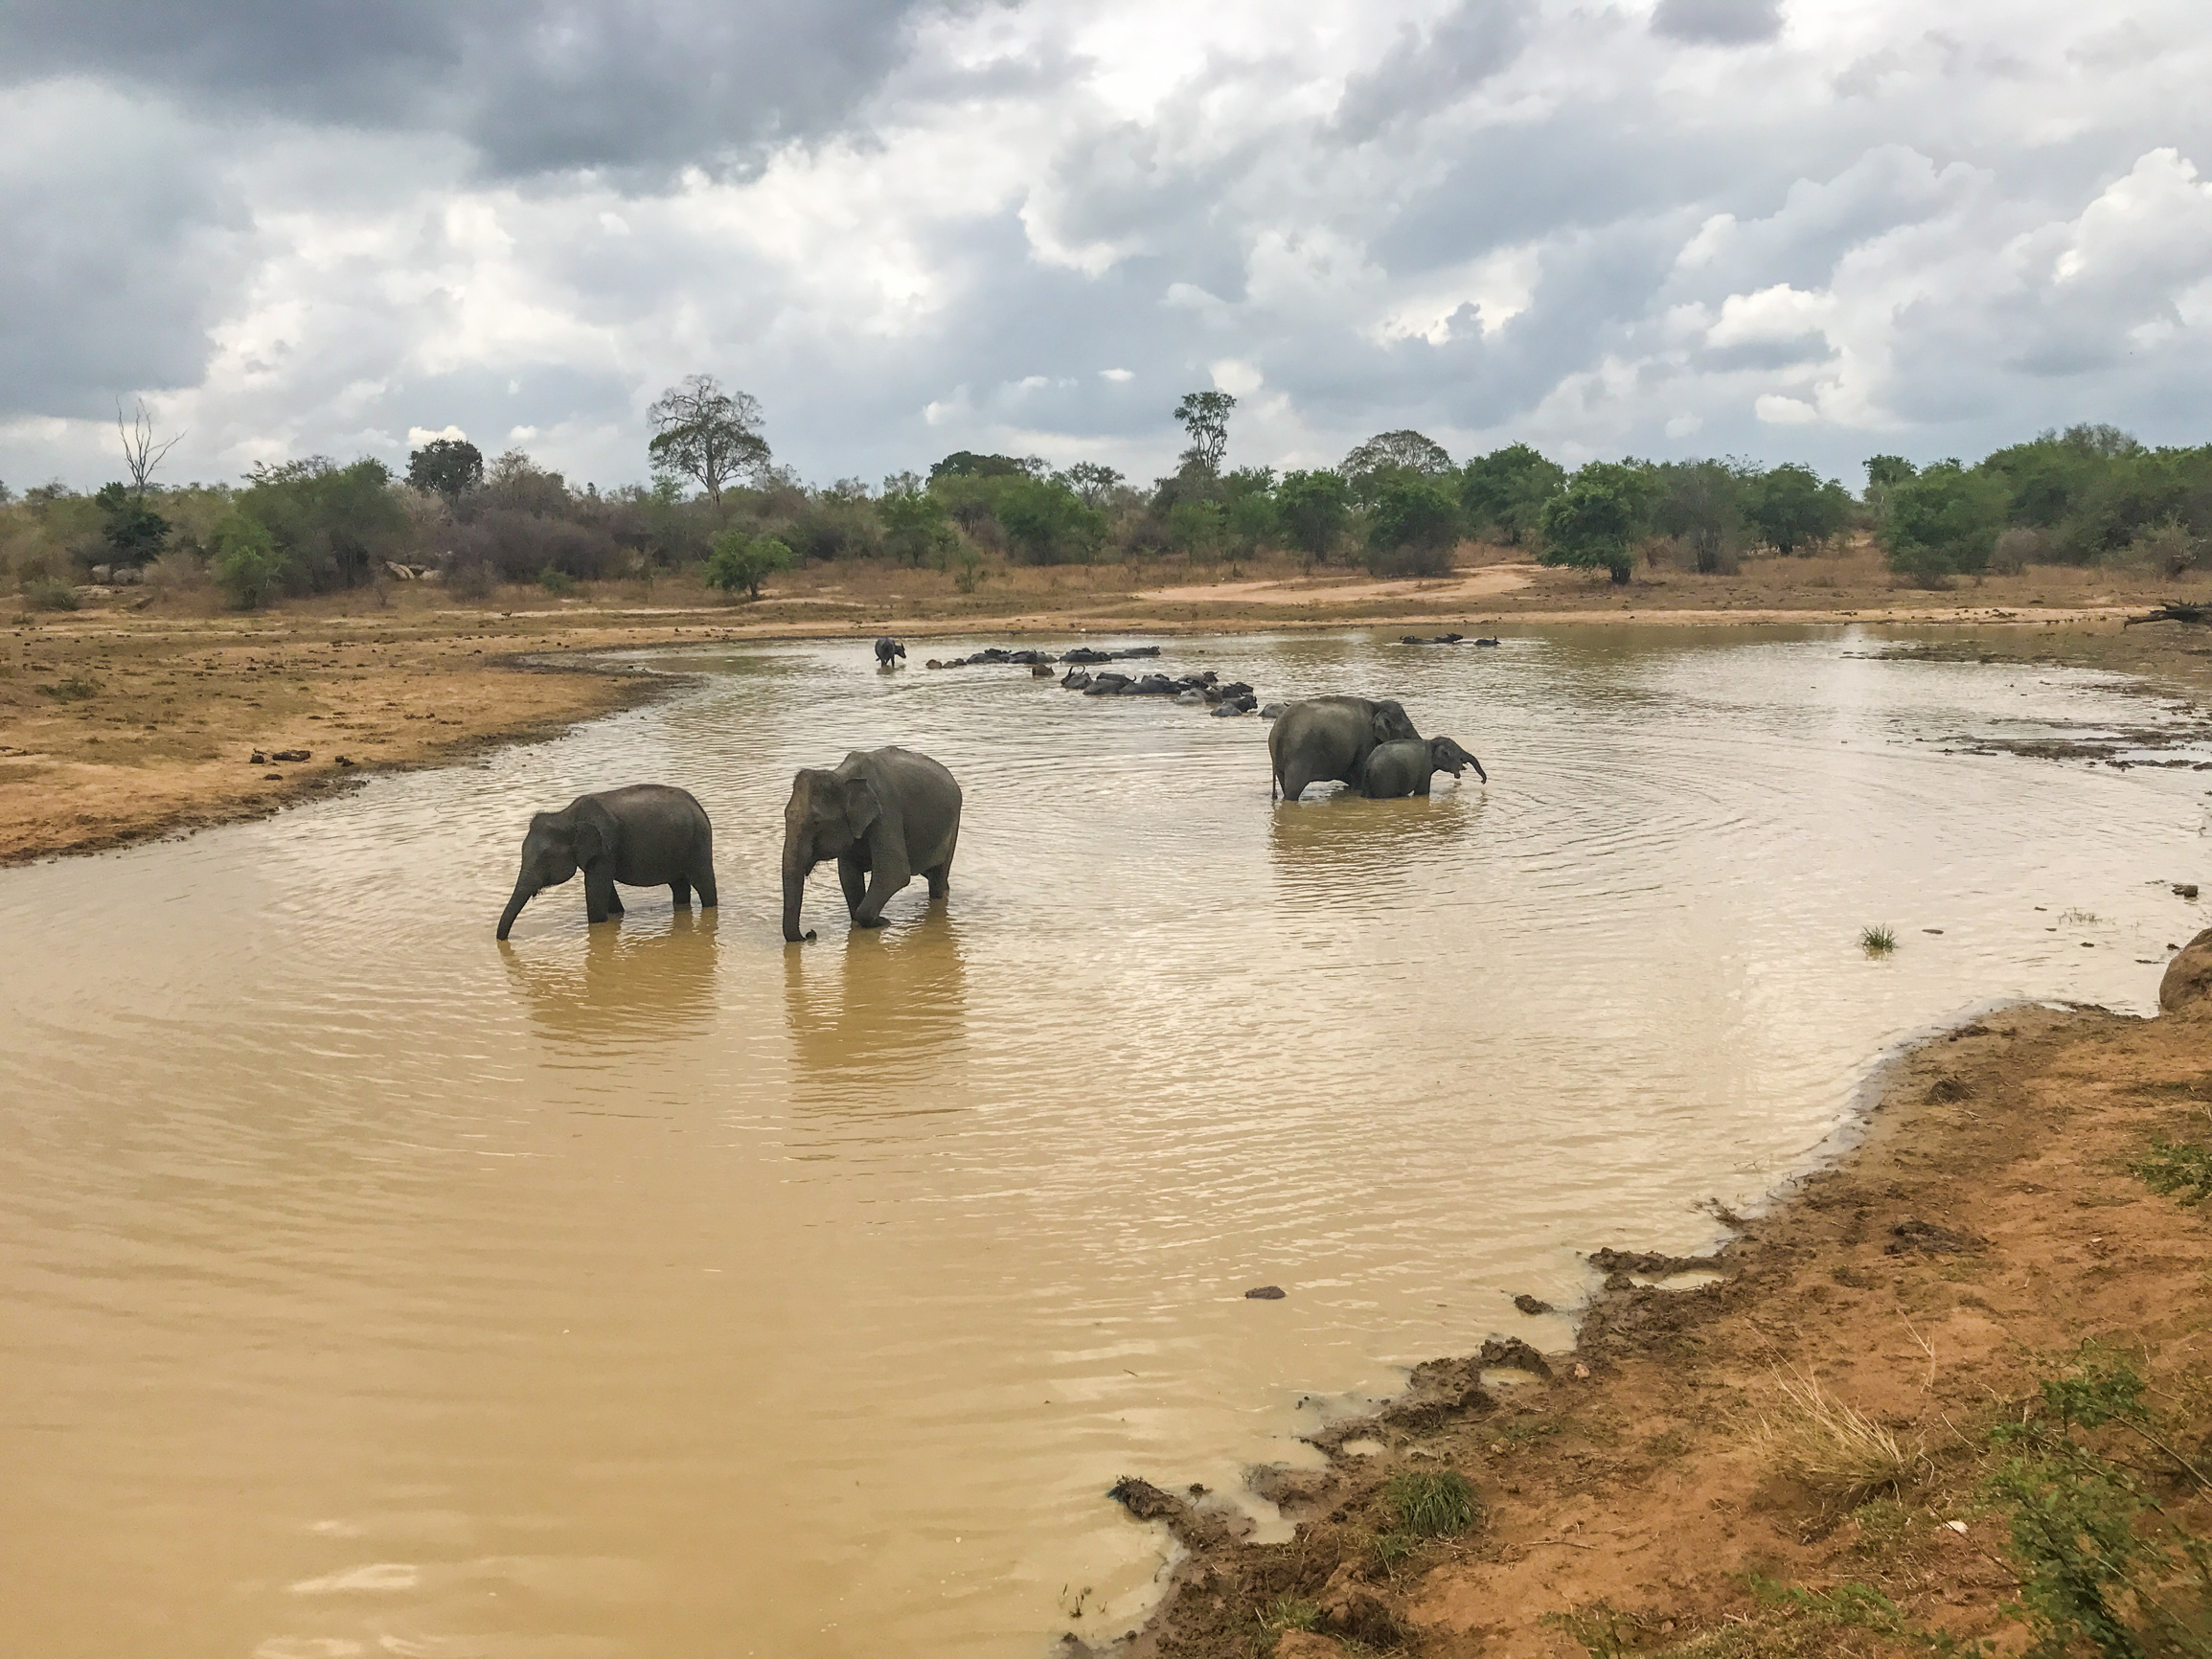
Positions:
{"x": 1827, "y": 1444}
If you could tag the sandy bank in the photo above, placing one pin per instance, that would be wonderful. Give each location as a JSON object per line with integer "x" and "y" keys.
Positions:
{"x": 1932, "y": 1278}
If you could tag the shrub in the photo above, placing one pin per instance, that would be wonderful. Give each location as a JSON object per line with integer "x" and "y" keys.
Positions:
{"x": 1047, "y": 523}
{"x": 1312, "y": 509}
{"x": 2017, "y": 549}
{"x": 2163, "y": 549}
{"x": 555, "y": 580}
{"x": 744, "y": 561}
{"x": 917, "y": 529}
{"x": 1194, "y": 527}
{"x": 247, "y": 566}
{"x": 49, "y": 593}
{"x": 1943, "y": 523}
{"x": 1412, "y": 528}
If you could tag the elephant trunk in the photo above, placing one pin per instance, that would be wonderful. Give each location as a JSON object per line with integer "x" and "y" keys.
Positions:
{"x": 525, "y": 890}
{"x": 796, "y": 870}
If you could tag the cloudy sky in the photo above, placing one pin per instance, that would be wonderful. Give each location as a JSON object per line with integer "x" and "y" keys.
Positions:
{"x": 1786, "y": 229}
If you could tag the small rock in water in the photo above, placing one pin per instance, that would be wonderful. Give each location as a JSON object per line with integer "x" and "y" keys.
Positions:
{"x": 1265, "y": 1293}
{"x": 1530, "y": 1305}
{"x": 1931, "y": 930}
{"x": 2184, "y": 890}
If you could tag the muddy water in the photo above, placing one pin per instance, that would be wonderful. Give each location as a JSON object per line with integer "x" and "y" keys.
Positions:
{"x": 656, "y": 1290}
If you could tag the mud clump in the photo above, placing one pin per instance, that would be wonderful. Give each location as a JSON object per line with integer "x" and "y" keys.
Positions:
{"x": 1913, "y": 1235}
{"x": 2187, "y": 985}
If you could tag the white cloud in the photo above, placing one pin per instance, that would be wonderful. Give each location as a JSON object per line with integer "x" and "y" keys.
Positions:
{"x": 1487, "y": 220}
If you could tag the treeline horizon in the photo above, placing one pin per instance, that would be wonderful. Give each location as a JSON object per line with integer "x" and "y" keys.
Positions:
{"x": 1397, "y": 505}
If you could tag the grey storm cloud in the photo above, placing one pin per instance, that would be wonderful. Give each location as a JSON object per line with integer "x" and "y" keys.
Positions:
{"x": 1718, "y": 22}
{"x": 531, "y": 85}
{"x": 911, "y": 228}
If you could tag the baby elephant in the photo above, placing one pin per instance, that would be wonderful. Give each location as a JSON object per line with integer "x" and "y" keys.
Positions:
{"x": 646, "y": 835}
{"x": 885, "y": 815}
{"x": 1405, "y": 766}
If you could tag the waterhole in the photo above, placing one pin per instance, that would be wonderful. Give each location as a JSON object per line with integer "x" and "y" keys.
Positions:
{"x": 658, "y": 1289}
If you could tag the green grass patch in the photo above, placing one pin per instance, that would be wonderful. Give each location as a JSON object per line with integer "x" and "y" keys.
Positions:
{"x": 2182, "y": 1169}
{"x": 1439, "y": 1504}
{"x": 1878, "y": 941}
{"x": 1290, "y": 1613}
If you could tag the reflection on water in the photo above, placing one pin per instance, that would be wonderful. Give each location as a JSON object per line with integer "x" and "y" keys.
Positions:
{"x": 631, "y": 982}
{"x": 876, "y": 1018}
{"x": 659, "y": 1288}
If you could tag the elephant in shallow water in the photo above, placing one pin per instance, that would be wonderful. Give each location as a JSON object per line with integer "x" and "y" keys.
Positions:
{"x": 885, "y": 815}
{"x": 888, "y": 653}
{"x": 645, "y": 836}
{"x": 1331, "y": 737}
{"x": 1405, "y": 766}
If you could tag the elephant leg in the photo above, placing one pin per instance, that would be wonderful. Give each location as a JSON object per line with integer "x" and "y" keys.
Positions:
{"x": 883, "y": 881}
{"x": 852, "y": 877}
{"x": 1421, "y": 787}
{"x": 680, "y": 895}
{"x": 941, "y": 877}
{"x": 703, "y": 878}
{"x": 599, "y": 897}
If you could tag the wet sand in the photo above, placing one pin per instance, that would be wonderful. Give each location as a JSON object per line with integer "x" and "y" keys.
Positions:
{"x": 137, "y": 717}
{"x": 1984, "y": 1229}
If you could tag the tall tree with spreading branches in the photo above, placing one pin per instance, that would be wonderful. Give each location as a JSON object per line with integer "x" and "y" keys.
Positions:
{"x": 1205, "y": 417}
{"x": 706, "y": 434}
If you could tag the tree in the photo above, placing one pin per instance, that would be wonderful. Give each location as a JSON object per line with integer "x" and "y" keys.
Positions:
{"x": 248, "y": 564}
{"x": 1313, "y": 508}
{"x": 967, "y": 463}
{"x": 332, "y": 523}
{"x": 132, "y": 530}
{"x": 741, "y": 560}
{"x": 1792, "y": 506}
{"x": 1205, "y": 417}
{"x": 1943, "y": 522}
{"x": 1091, "y": 480}
{"x": 917, "y": 529}
{"x": 1194, "y": 527}
{"x": 1048, "y": 523}
{"x": 1402, "y": 451}
{"x": 1504, "y": 491}
{"x": 1702, "y": 501}
{"x": 1593, "y": 523}
{"x": 141, "y": 455}
{"x": 706, "y": 434}
{"x": 1412, "y": 527}
{"x": 448, "y": 466}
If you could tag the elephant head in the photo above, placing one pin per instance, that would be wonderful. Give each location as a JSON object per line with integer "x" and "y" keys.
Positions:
{"x": 827, "y": 815}
{"x": 1447, "y": 755}
{"x": 556, "y": 845}
{"x": 1391, "y": 722}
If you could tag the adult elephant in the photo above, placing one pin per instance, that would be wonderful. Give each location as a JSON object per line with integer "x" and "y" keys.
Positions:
{"x": 885, "y": 815}
{"x": 645, "y": 836}
{"x": 1405, "y": 766}
{"x": 1331, "y": 737}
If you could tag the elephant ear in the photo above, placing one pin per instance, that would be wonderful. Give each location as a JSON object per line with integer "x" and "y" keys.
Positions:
{"x": 1385, "y": 729}
{"x": 861, "y": 807}
{"x": 593, "y": 838}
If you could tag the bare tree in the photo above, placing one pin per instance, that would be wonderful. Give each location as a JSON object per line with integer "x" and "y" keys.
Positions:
{"x": 702, "y": 432}
{"x": 140, "y": 454}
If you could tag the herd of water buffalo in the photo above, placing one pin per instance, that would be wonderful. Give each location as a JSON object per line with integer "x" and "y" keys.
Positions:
{"x": 891, "y": 814}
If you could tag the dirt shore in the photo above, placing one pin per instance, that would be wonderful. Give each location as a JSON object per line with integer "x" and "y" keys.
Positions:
{"x": 1657, "y": 1490}
{"x": 141, "y": 715}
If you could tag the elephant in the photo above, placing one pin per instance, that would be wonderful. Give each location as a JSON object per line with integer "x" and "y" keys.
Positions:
{"x": 1404, "y": 766}
{"x": 1325, "y": 738}
{"x": 645, "y": 836}
{"x": 886, "y": 650}
{"x": 885, "y": 815}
